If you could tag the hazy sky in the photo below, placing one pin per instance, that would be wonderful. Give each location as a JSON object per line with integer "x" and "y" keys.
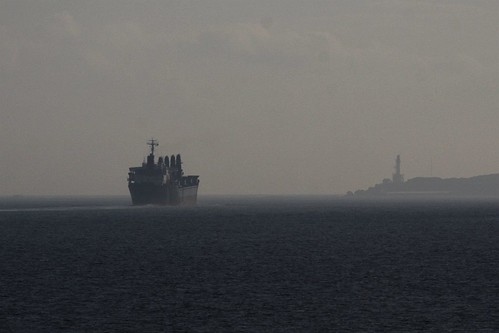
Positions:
{"x": 259, "y": 97}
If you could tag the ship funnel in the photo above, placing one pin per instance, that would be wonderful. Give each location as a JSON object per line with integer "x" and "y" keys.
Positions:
{"x": 172, "y": 161}
{"x": 178, "y": 161}
{"x": 160, "y": 160}
{"x": 167, "y": 161}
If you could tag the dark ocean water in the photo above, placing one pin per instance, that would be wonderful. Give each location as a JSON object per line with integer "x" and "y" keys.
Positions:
{"x": 261, "y": 264}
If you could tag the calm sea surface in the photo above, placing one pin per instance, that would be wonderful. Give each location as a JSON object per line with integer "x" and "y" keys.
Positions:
{"x": 255, "y": 264}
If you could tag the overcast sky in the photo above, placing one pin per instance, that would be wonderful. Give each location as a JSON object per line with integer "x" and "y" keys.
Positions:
{"x": 259, "y": 97}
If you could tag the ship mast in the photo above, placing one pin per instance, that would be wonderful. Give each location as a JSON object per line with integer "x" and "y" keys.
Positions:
{"x": 152, "y": 143}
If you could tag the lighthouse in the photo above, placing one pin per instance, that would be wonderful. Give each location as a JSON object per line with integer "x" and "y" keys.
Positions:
{"x": 397, "y": 177}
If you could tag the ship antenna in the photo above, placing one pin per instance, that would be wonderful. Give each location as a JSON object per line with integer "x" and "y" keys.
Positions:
{"x": 152, "y": 143}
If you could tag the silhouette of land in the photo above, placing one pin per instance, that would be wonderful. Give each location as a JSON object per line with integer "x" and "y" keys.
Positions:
{"x": 484, "y": 185}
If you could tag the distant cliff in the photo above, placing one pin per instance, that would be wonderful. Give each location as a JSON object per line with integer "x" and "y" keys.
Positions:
{"x": 486, "y": 185}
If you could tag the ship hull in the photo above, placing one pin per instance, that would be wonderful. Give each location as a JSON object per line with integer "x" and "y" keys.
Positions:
{"x": 173, "y": 195}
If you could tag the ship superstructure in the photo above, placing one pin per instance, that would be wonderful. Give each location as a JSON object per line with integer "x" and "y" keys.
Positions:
{"x": 162, "y": 182}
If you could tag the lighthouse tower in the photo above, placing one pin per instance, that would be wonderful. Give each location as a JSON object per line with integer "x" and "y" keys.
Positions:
{"x": 397, "y": 177}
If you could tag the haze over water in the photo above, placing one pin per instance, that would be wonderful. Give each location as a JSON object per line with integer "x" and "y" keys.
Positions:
{"x": 288, "y": 97}
{"x": 260, "y": 97}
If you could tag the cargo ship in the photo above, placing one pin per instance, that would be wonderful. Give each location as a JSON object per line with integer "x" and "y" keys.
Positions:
{"x": 162, "y": 182}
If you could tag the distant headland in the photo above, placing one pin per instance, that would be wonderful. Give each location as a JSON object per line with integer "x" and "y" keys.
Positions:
{"x": 478, "y": 186}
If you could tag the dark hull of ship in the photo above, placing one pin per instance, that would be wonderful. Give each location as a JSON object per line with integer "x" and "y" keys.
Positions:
{"x": 147, "y": 194}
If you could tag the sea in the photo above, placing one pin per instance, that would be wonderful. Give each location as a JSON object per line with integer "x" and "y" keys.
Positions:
{"x": 249, "y": 264}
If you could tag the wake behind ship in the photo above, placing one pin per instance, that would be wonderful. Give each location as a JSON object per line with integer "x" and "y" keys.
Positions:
{"x": 162, "y": 182}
